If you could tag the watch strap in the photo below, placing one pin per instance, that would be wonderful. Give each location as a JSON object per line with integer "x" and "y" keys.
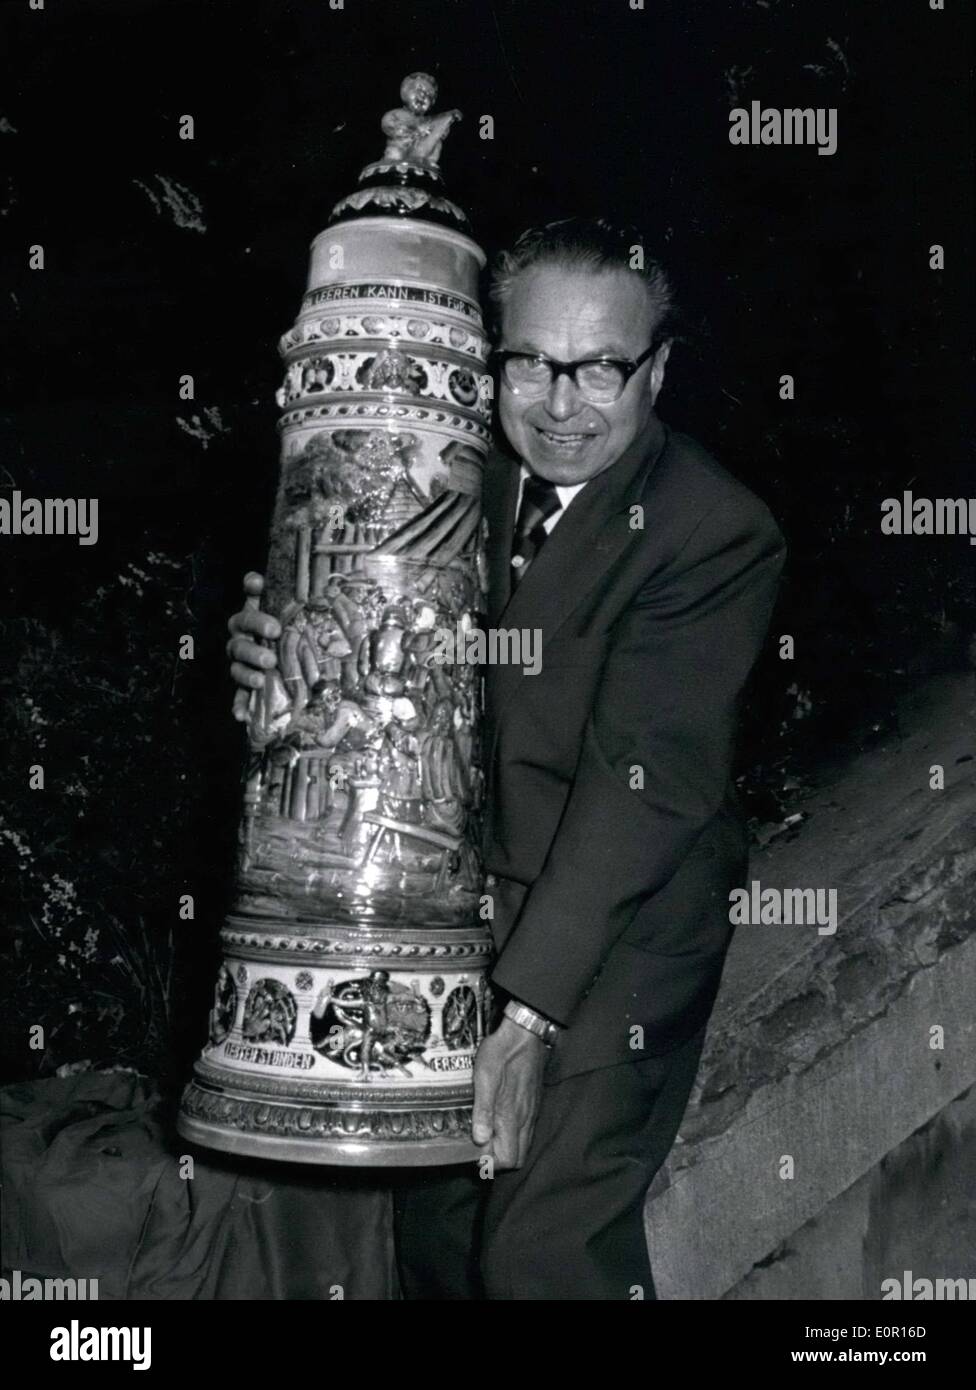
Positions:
{"x": 533, "y": 1022}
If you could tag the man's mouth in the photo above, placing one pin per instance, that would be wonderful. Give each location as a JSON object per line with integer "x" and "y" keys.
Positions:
{"x": 562, "y": 439}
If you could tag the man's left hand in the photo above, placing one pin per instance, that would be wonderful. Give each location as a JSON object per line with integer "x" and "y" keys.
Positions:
{"x": 507, "y": 1090}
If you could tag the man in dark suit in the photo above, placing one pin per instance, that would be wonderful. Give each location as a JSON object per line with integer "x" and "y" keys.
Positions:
{"x": 612, "y": 835}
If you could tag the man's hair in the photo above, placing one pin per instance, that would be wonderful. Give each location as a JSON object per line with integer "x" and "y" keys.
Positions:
{"x": 586, "y": 243}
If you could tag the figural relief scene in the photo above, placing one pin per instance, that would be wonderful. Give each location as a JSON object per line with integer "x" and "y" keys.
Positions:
{"x": 363, "y": 779}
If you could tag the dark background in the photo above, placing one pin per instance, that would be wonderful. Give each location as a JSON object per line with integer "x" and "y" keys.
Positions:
{"x": 166, "y": 257}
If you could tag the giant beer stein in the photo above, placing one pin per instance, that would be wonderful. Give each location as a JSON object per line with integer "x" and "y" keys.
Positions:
{"x": 352, "y": 993}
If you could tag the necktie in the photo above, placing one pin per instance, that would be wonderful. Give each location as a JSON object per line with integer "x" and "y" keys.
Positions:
{"x": 539, "y": 502}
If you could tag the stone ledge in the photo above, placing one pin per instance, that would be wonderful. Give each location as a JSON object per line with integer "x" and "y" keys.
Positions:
{"x": 819, "y": 1045}
{"x": 871, "y": 1232}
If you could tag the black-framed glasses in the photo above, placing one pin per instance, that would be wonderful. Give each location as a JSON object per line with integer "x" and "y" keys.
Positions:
{"x": 599, "y": 380}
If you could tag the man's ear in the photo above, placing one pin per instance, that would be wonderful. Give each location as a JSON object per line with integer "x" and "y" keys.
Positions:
{"x": 658, "y": 364}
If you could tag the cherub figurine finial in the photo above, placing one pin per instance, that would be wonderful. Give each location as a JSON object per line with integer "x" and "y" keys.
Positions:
{"x": 412, "y": 135}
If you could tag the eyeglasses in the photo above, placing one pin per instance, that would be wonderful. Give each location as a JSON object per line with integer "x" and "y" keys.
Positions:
{"x": 599, "y": 380}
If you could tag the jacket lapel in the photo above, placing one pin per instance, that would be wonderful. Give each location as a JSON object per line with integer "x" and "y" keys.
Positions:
{"x": 587, "y": 540}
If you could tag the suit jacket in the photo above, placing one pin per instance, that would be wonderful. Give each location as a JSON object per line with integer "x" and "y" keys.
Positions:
{"x": 612, "y": 836}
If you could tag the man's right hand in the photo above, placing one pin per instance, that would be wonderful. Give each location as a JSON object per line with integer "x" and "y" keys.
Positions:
{"x": 249, "y": 659}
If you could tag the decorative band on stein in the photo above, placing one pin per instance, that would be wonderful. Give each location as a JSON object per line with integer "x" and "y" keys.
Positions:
{"x": 353, "y": 990}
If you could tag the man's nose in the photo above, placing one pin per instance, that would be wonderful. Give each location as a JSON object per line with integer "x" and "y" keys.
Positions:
{"x": 563, "y": 399}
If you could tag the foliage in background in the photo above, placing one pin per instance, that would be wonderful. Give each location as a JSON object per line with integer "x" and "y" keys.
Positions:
{"x": 95, "y": 861}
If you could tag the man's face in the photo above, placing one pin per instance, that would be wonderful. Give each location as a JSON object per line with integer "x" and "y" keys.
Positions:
{"x": 569, "y": 314}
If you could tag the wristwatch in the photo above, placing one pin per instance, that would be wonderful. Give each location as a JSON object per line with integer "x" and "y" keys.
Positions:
{"x": 535, "y": 1023}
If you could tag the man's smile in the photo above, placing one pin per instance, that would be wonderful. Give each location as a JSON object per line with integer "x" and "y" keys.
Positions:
{"x": 565, "y": 441}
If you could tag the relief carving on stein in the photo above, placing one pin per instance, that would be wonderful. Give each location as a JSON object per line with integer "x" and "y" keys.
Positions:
{"x": 224, "y": 1007}
{"x": 389, "y": 370}
{"x": 371, "y": 1024}
{"x": 363, "y": 749}
{"x": 432, "y": 332}
{"x": 270, "y": 1014}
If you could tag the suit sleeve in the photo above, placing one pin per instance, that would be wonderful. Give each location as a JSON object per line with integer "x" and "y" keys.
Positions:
{"x": 666, "y": 705}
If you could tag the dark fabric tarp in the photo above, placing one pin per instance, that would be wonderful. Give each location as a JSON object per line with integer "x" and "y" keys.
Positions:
{"x": 92, "y": 1189}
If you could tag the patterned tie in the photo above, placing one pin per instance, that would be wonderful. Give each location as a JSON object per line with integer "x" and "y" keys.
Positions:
{"x": 539, "y": 502}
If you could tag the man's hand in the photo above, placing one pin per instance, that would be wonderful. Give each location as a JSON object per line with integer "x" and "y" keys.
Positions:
{"x": 249, "y": 660}
{"x": 507, "y": 1090}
